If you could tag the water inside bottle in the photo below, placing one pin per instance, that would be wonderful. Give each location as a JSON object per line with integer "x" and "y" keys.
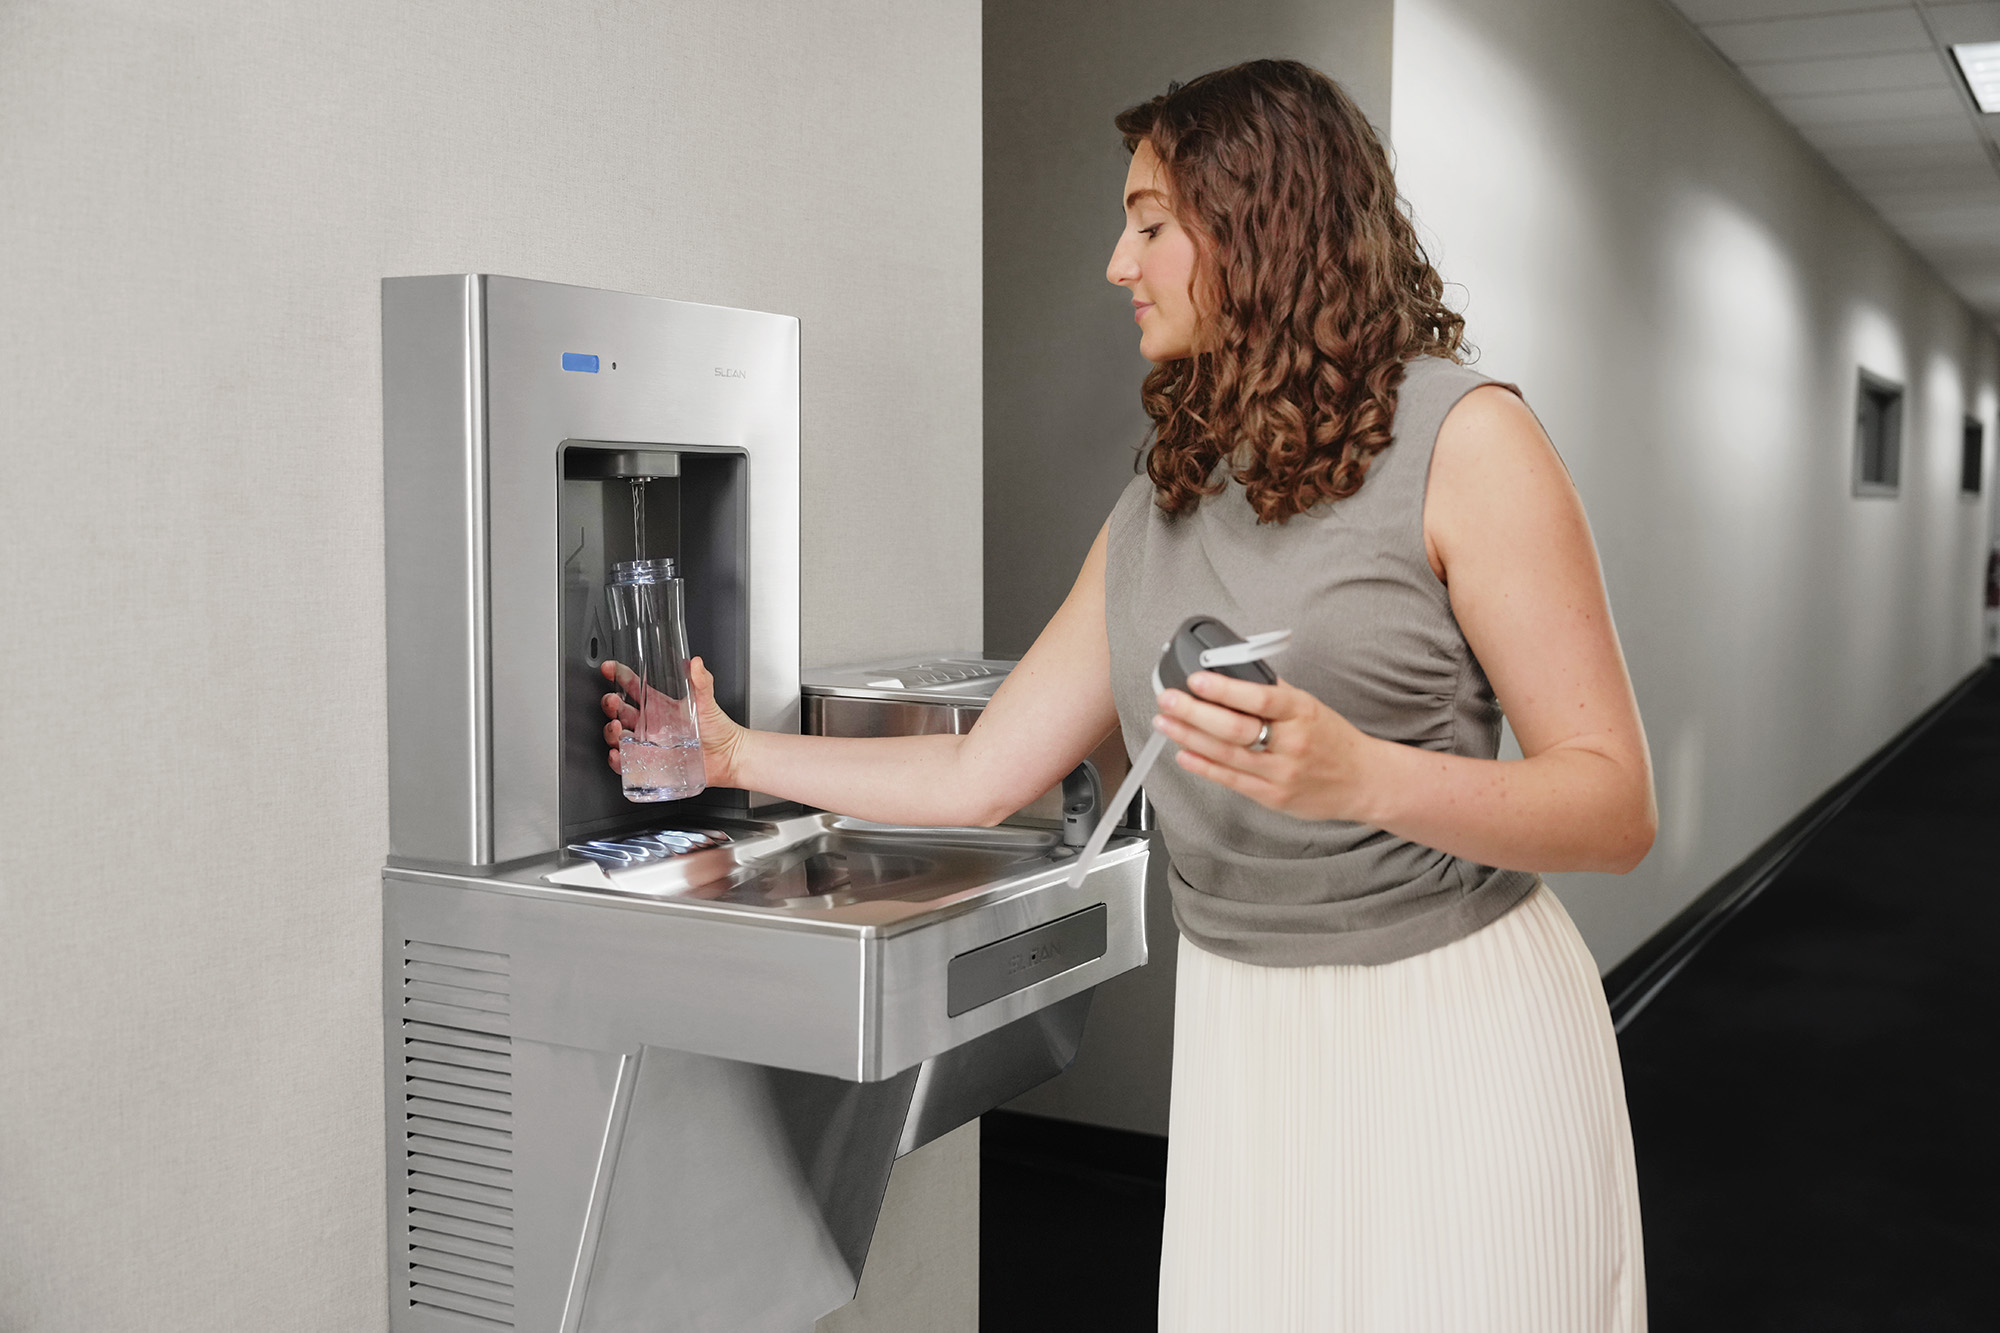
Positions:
{"x": 661, "y": 771}
{"x": 644, "y": 596}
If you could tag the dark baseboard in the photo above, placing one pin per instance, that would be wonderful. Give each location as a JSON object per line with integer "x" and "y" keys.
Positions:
{"x": 1073, "y": 1148}
{"x": 1631, "y": 985}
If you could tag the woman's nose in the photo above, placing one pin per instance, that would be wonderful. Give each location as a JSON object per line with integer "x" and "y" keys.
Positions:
{"x": 1121, "y": 269}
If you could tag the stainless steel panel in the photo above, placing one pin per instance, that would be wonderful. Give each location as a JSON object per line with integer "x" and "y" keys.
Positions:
{"x": 967, "y": 1081}
{"x": 983, "y": 975}
{"x": 434, "y": 504}
{"x": 941, "y": 677}
{"x": 562, "y": 1099}
{"x": 606, "y": 974}
{"x": 562, "y": 1156}
{"x": 850, "y": 984}
{"x": 942, "y": 693}
{"x": 696, "y": 514}
{"x": 913, "y": 1022}
{"x": 602, "y": 1172}
{"x": 623, "y": 464}
{"x": 839, "y": 715}
{"x": 476, "y": 405}
{"x": 742, "y": 1198}
{"x": 615, "y": 1096}
{"x": 687, "y": 375}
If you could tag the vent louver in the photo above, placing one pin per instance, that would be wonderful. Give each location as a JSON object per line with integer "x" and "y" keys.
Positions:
{"x": 458, "y": 1140}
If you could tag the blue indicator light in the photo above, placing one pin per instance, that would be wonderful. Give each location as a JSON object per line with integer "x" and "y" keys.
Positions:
{"x": 580, "y": 361}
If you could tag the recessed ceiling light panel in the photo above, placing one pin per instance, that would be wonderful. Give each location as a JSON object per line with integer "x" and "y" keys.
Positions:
{"x": 1979, "y": 62}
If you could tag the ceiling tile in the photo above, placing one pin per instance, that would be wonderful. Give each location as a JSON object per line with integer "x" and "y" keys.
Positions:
{"x": 1851, "y": 74}
{"x": 1961, "y": 154}
{"x": 1735, "y": 11}
{"x": 1906, "y": 189}
{"x": 1965, "y": 23}
{"x": 1915, "y": 132}
{"x": 1974, "y": 261}
{"x": 1967, "y": 198}
{"x": 1824, "y": 37}
{"x": 1871, "y": 85}
{"x": 1976, "y": 276}
{"x": 1879, "y": 171}
{"x": 1851, "y": 108}
{"x": 1964, "y": 197}
{"x": 1726, "y": 11}
{"x": 1949, "y": 229}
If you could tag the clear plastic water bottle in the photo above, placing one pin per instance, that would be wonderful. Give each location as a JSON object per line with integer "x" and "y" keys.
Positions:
{"x": 660, "y": 758}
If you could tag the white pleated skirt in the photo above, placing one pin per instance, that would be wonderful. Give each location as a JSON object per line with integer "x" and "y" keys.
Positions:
{"x": 1436, "y": 1145}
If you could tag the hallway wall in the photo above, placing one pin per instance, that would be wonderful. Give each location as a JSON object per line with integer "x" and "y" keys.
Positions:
{"x": 1063, "y": 422}
{"x": 198, "y": 199}
{"x": 1993, "y": 541}
{"x": 1685, "y": 293}
{"x": 1063, "y": 368}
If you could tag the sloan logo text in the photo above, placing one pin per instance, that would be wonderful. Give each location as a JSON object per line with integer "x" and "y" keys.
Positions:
{"x": 730, "y": 374}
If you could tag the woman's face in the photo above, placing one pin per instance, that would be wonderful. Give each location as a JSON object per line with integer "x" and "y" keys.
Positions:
{"x": 1155, "y": 261}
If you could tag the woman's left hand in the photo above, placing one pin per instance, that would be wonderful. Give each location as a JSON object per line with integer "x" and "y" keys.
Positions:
{"x": 1314, "y": 764}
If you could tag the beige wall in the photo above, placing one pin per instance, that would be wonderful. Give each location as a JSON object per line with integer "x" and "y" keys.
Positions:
{"x": 197, "y": 200}
{"x": 1685, "y": 292}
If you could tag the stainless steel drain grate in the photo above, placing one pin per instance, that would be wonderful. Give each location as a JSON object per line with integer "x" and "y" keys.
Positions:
{"x": 659, "y": 845}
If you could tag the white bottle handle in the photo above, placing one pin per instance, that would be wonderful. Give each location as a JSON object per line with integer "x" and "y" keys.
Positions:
{"x": 1107, "y": 818}
{"x": 1253, "y": 649}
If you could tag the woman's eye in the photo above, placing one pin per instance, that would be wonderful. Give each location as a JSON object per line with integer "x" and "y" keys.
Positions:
{"x": 1152, "y": 230}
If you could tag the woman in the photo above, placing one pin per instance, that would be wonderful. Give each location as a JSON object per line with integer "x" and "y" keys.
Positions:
{"x": 1396, "y": 1102}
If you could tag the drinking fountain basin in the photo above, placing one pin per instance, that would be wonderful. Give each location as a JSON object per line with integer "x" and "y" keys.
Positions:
{"x": 618, "y": 1075}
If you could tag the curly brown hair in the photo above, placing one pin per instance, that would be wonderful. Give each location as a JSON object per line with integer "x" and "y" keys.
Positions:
{"x": 1312, "y": 289}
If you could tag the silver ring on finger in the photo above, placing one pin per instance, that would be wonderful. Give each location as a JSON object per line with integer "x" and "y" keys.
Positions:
{"x": 1263, "y": 741}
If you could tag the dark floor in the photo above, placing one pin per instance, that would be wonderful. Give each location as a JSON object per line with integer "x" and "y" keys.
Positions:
{"x": 1815, "y": 1098}
{"x": 1069, "y": 1226}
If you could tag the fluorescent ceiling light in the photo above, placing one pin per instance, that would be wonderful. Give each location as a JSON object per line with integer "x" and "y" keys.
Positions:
{"x": 1979, "y": 62}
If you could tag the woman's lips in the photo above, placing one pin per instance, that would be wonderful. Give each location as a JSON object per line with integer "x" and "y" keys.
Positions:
{"x": 1140, "y": 308}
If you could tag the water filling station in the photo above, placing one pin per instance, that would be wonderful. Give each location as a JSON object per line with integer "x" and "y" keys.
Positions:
{"x": 647, "y": 1066}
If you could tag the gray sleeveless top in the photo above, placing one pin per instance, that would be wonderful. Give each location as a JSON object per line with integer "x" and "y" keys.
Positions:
{"x": 1373, "y": 638}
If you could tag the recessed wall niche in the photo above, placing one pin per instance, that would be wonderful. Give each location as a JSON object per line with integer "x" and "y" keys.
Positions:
{"x": 1878, "y": 436}
{"x": 1972, "y": 457}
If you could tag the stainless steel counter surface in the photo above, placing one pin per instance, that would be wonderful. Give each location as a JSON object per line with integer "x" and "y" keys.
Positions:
{"x": 817, "y": 943}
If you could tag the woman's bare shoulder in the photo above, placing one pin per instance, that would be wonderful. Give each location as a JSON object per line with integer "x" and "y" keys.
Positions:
{"x": 1491, "y": 419}
{"x": 1493, "y": 471}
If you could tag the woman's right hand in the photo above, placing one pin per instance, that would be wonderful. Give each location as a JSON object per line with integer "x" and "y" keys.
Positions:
{"x": 721, "y": 737}
{"x": 1050, "y": 712}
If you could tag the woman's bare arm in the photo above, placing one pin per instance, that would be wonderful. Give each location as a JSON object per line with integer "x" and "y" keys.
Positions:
{"x": 1050, "y": 712}
{"x": 1507, "y": 533}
